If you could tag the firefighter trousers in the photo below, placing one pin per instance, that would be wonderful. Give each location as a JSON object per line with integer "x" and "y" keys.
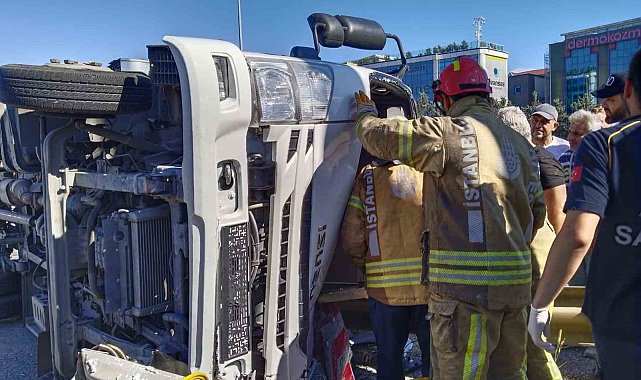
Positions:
{"x": 471, "y": 342}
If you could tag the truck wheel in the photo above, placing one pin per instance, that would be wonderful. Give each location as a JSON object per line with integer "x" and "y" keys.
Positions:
{"x": 10, "y": 306}
{"x": 74, "y": 91}
{"x": 9, "y": 283}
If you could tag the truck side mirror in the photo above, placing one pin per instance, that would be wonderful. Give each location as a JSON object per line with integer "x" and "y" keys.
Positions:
{"x": 361, "y": 33}
{"x": 327, "y": 30}
{"x": 336, "y": 31}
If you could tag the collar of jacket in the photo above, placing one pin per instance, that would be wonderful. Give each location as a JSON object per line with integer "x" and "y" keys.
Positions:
{"x": 469, "y": 104}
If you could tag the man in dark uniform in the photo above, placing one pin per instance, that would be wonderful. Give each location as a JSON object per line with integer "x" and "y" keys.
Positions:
{"x": 603, "y": 193}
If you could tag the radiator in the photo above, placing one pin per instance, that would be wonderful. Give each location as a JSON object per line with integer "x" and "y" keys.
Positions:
{"x": 151, "y": 255}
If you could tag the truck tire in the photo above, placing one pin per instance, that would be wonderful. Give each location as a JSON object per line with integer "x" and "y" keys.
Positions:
{"x": 10, "y": 306}
{"x": 84, "y": 92}
{"x": 9, "y": 283}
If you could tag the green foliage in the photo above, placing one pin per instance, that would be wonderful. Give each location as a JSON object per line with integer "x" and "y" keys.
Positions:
{"x": 585, "y": 102}
{"x": 424, "y": 106}
{"x": 408, "y": 54}
{"x": 529, "y": 109}
{"x": 500, "y": 103}
{"x": 564, "y": 126}
{"x": 464, "y": 45}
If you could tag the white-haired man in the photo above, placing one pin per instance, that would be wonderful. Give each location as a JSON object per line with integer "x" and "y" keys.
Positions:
{"x": 581, "y": 122}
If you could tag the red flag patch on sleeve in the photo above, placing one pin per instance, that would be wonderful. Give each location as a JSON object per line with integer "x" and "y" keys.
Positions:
{"x": 576, "y": 174}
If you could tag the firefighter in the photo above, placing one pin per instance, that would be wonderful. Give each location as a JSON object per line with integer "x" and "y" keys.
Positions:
{"x": 381, "y": 232}
{"x": 482, "y": 202}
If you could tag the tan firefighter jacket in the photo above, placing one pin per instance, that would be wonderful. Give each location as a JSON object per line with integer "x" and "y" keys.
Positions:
{"x": 381, "y": 232}
{"x": 485, "y": 198}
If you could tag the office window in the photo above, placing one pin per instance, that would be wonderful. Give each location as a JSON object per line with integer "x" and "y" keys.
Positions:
{"x": 580, "y": 61}
{"x": 517, "y": 89}
{"x": 621, "y": 56}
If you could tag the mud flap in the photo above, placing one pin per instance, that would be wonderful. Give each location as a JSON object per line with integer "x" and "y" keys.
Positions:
{"x": 43, "y": 355}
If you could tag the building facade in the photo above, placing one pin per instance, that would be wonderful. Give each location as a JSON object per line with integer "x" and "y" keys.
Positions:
{"x": 424, "y": 69}
{"x": 522, "y": 84}
{"x": 584, "y": 60}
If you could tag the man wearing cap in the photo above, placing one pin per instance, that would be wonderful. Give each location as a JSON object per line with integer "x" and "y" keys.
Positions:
{"x": 543, "y": 122}
{"x": 612, "y": 94}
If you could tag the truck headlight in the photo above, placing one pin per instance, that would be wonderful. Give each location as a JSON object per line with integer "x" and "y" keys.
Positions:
{"x": 275, "y": 91}
{"x": 314, "y": 89}
{"x": 292, "y": 91}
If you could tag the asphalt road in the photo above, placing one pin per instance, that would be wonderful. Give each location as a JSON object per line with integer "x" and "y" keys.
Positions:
{"x": 17, "y": 351}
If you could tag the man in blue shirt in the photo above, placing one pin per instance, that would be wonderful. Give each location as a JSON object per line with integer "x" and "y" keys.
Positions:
{"x": 581, "y": 122}
{"x": 603, "y": 193}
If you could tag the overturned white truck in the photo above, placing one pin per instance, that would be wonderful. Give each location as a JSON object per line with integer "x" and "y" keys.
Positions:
{"x": 184, "y": 219}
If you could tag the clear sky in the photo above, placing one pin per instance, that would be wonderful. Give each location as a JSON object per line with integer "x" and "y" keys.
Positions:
{"x": 32, "y": 31}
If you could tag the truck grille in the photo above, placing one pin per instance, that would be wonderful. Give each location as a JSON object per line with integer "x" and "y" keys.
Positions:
{"x": 164, "y": 71}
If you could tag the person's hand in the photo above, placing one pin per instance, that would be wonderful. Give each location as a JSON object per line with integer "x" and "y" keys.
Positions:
{"x": 364, "y": 103}
{"x": 539, "y": 328}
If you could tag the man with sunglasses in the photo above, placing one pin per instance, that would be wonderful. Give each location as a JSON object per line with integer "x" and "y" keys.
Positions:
{"x": 482, "y": 202}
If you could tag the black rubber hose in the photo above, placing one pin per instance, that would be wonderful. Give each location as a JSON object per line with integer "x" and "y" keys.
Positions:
{"x": 14, "y": 217}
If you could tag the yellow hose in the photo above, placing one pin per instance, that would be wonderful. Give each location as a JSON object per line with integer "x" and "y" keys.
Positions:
{"x": 196, "y": 376}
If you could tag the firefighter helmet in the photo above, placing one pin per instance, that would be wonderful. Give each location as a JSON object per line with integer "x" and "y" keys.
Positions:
{"x": 462, "y": 76}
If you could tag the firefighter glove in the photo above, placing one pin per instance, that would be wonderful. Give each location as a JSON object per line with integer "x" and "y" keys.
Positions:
{"x": 539, "y": 328}
{"x": 364, "y": 104}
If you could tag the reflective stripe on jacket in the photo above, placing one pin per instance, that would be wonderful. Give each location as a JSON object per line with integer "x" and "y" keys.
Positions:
{"x": 484, "y": 202}
{"x": 381, "y": 232}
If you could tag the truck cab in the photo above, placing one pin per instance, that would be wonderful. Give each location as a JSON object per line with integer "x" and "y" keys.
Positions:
{"x": 181, "y": 221}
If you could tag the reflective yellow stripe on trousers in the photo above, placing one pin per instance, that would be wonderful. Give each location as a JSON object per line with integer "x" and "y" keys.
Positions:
{"x": 480, "y": 268}
{"x": 384, "y": 274}
{"x": 476, "y": 352}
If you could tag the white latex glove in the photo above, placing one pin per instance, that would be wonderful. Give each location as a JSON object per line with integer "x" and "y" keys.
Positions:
{"x": 539, "y": 328}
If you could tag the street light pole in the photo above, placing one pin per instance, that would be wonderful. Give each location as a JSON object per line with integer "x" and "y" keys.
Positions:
{"x": 240, "y": 27}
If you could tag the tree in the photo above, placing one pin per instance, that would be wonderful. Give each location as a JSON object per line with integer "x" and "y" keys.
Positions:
{"x": 465, "y": 45}
{"x": 564, "y": 127}
{"x": 428, "y": 51}
{"x": 585, "y": 102}
{"x": 424, "y": 106}
{"x": 497, "y": 104}
{"x": 529, "y": 110}
{"x": 408, "y": 54}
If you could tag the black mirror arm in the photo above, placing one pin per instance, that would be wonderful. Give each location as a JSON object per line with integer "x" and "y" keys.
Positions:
{"x": 316, "y": 44}
{"x": 404, "y": 67}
